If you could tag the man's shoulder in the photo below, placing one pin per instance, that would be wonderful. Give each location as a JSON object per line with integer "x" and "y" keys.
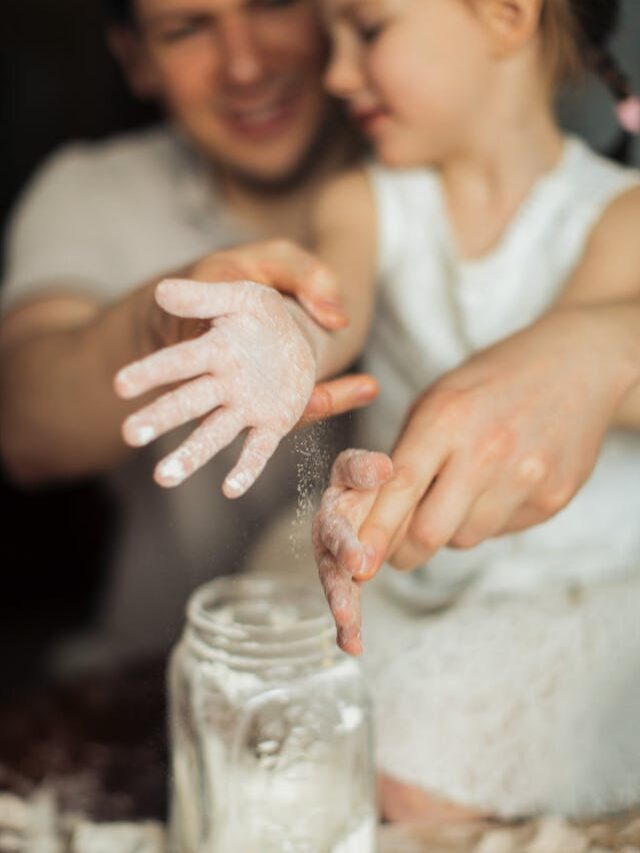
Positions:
{"x": 101, "y": 177}
{"x": 150, "y": 150}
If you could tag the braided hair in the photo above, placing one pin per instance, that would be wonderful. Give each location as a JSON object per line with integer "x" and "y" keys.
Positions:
{"x": 595, "y": 21}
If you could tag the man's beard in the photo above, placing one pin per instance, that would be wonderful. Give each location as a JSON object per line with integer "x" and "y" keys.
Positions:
{"x": 331, "y": 128}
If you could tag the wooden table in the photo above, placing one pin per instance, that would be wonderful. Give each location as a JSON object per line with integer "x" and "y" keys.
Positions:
{"x": 83, "y": 770}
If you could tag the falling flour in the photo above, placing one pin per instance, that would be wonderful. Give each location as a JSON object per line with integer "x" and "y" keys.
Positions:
{"x": 313, "y": 463}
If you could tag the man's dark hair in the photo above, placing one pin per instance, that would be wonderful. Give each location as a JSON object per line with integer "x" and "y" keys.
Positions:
{"x": 120, "y": 11}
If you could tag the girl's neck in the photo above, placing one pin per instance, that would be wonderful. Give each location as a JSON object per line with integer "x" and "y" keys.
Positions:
{"x": 485, "y": 182}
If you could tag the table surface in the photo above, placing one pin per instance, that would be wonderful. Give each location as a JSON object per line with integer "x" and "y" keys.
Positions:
{"x": 88, "y": 762}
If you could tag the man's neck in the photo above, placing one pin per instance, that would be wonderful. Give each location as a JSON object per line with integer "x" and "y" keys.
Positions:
{"x": 286, "y": 212}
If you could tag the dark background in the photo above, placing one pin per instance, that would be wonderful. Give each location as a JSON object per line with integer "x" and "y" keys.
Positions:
{"x": 58, "y": 82}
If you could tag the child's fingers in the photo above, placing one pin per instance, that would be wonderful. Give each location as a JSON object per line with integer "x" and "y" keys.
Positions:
{"x": 361, "y": 469}
{"x": 178, "y": 407}
{"x": 172, "y": 364}
{"x": 350, "y": 638}
{"x": 258, "y": 448}
{"x": 343, "y": 597}
{"x": 335, "y": 533}
{"x": 213, "y": 434}
{"x": 184, "y": 297}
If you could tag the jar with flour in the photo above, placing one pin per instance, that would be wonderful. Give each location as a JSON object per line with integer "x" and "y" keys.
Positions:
{"x": 270, "y": 727}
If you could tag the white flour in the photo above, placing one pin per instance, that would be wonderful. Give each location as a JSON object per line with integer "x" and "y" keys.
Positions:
{"x": 312, "y": 468}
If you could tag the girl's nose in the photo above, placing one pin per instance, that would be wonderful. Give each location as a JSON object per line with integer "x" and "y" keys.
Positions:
{"x": 343, "y": 77}
{"x": 242, "y": 55}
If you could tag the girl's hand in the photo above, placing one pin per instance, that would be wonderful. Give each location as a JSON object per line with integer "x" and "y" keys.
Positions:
{"x": 499, "y": 444}
{"x": 356, "y": 478}
{"x": 252, "y": 369}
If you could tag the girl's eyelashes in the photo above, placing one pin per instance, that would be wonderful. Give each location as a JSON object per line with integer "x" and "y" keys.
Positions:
{"x": 367, "y": 27}
{"x": 271, "y": 4}
{"x": 370, "y": 22}
{"x": 369, "y": 32}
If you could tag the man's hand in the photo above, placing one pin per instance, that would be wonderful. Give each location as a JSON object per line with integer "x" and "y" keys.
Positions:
{"x": 280, "y": 264}
{"x": 499, "y": 444}
{"x": 336, "y": 396}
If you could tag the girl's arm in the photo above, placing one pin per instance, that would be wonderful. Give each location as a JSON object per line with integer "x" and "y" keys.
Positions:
{"x": 345, "y": 241}
{"x": 255, "y": 364}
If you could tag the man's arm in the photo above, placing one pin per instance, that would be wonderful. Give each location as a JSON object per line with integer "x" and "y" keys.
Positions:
{"x": 59, "y": 354}
{"x": 607, "y": 285}
{"x": 59, "y": 416}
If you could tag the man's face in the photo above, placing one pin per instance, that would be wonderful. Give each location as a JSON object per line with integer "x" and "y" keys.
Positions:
{"x": 242, "y": 78}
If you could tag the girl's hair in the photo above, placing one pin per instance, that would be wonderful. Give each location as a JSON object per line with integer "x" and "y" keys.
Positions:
{"x": 576, "y": 35}
{"x": 575, "y": 31}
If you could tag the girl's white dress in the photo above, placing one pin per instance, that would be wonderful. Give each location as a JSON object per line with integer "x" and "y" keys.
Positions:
{"x": 508, "y": 676}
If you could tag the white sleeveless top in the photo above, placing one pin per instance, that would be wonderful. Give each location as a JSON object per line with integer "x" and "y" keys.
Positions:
{"x": 436, "y": 308}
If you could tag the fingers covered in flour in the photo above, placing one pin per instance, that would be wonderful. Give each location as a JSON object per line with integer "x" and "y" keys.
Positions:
{"x": 191, "y": 400}
{"x": 214, "y": 434}
{"x": 343, "y": 596}
{"x": 361, "y": 469}
{"x": 252, "y": 370}
{"x": 259, "y": 446}
{"x": 343, "y": 561}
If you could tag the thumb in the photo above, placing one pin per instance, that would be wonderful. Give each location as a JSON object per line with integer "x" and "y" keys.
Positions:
{"x": 290, "y": 269}
{"x": 319, "y": 295}
{"x": 338, "y": 396}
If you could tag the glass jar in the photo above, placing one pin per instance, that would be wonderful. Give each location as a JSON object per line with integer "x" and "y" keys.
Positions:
{"x": 270, "y": 727}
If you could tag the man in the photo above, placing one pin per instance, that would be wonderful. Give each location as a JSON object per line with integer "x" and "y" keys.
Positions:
{"x": 249, "y": 137}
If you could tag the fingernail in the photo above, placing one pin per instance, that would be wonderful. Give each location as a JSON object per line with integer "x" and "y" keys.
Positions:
{"x": 121, "y": 383}
{"x": 172, "y": 472}
{"x": 143, "y": 434}
{"x": 236, "y": 486}
{"x": 366, "y": 389}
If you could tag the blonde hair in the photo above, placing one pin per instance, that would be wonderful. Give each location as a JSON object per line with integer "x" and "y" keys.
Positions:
{"x": 568, "y": 33}
{"x": 561, "y": 39}
{"x": 574, "y": 36}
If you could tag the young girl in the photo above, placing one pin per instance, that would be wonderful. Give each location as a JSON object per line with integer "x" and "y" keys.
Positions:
{"x": 524, "y": 695}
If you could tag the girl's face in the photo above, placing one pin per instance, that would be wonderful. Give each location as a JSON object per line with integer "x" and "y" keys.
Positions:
{"x": 414, "y": 73}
